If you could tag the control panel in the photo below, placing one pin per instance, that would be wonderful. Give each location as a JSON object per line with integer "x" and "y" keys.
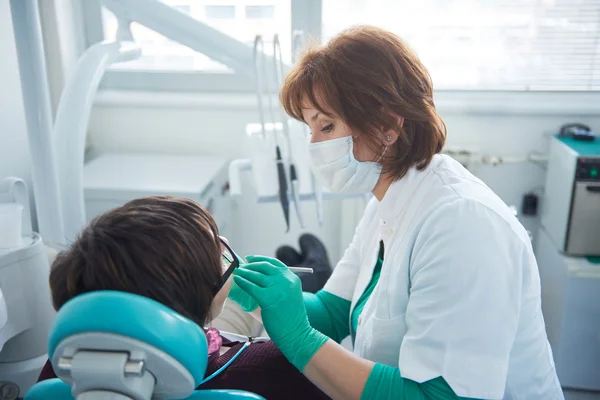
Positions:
{"x": 588, "y": 169}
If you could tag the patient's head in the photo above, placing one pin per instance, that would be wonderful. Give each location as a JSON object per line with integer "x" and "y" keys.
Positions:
{"x": 164, "y": 248}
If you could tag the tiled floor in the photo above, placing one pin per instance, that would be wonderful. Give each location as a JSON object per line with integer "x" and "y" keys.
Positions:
{"x": 580, "y": 395}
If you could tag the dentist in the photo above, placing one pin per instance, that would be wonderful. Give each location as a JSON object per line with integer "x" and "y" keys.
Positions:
{"x": 439, "y": 289}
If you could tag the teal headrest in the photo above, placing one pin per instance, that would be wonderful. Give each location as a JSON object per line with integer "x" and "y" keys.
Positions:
{"x": 53, "y": 389}
{"x": 136, "y": 317}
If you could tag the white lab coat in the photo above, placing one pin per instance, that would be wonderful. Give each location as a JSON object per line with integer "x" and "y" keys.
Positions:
{"x": 459, "y": 292}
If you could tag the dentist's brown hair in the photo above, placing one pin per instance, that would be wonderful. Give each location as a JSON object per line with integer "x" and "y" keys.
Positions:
{"x": 369, "y": 77}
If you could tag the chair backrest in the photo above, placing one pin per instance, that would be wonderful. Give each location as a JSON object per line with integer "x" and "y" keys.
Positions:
{"x": 127, "y": 344}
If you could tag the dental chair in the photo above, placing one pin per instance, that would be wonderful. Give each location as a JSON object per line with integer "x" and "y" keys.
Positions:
{"x": 121, "y": 346}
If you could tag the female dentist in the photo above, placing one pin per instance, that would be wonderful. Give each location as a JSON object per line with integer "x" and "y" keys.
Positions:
{"x": 439, "y": 288}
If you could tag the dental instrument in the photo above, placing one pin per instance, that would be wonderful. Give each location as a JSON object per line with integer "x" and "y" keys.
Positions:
{"x": 282, "y": 180}
{"x": 294, "y": 184}
{"x": 301, "y": 270}
{"x": 234, "y": 337}
{"x": 305, "y": 270}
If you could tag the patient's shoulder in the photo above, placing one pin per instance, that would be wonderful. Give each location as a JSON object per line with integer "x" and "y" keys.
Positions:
{"x": 264, "y": 370}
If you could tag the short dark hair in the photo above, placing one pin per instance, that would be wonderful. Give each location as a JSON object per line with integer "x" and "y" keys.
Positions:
{"x": 362, "y": 75}
{"x": 163, "y": 248}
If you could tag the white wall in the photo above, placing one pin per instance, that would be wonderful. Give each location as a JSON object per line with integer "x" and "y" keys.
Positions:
{"x": 209, "y": 128}
{"x": 14, "y": 147}
{"x": 215, "y": 125}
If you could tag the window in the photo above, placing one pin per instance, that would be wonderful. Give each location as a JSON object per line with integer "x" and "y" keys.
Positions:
{"x": 166, "y": 64}
{"x": 260, "y": 12}
{"x": 162, "y": 54}
{"x": 508, "y": 45}
{"x": 214, "y": 13}
{"x": 488, "y": 44}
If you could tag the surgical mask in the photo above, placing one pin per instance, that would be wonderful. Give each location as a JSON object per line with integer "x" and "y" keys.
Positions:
{"x": 334, "y": 165}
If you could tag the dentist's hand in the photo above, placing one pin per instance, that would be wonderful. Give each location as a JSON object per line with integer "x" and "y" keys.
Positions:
{"x": 243, "y": 299}
{"x": 278, "y": 291}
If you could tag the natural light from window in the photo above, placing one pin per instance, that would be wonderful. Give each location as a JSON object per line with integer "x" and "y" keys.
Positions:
{"x": 489, "y": 44}
{"x": 240, "y": 19}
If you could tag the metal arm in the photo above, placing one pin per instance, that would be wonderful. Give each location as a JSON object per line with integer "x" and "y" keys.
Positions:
{"x": 36, "y": 99}
{"x": 72, "y": 119}
{"x": 184, "y": 29}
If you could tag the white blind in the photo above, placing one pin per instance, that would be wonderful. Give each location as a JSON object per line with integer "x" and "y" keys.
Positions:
{"x": 489, "y": 44}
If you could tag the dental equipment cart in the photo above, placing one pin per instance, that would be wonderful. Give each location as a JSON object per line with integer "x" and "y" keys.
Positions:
{"x": 571, "y": 308}
{"x": 110, "y": 180}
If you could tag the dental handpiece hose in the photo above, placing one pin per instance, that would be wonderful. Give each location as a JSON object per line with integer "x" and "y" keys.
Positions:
{"x": 283, "y": 189}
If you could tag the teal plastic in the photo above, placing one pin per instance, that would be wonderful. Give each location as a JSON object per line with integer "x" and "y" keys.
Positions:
{"x": 55, "y": 389}
{"x": 594, "y": 259}
{"x": 581, "y": 147}
{"x": 223, "y": 395}
{"x": 51, "y": 389}
{"x": 136, "y": 317}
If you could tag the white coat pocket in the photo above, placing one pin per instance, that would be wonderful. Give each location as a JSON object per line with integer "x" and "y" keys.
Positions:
{"x": 381, "y": 339}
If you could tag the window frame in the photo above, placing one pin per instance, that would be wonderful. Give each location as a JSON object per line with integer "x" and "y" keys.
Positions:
{"x": 306, "y": 17}
{"x": 191, "y": 88}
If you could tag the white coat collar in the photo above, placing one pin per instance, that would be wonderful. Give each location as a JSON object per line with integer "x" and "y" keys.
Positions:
{"x": 401, "y": 191}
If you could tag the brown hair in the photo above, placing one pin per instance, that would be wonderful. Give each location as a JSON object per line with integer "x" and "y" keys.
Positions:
{"x": 367, "y": 76}
{"x": 163, "y": 248}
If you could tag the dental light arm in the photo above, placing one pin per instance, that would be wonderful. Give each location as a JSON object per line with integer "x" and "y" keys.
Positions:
{"x": 72, "y": 119}
{"x": 184, "y": 29}
{"x": 36, "y": 99}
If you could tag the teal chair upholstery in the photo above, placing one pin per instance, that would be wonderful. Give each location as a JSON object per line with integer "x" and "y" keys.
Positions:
{"x": 126, "y": 344}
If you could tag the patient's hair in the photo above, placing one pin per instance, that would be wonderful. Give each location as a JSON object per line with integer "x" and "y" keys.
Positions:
{"x": 163, "y": 248}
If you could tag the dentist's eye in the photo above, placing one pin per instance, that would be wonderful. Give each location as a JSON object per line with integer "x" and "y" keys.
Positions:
{"x": 327, "y": 128}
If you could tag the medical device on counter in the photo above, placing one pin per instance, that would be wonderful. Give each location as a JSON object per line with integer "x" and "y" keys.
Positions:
{"x": 571, "y": 206}
{"x": 26, "y": 311}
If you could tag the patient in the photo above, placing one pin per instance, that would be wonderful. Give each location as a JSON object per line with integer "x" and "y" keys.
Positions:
{"x": 168, "y": 249}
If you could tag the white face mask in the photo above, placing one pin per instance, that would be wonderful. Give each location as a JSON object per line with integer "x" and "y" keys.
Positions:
{"x": 334, "y": 165}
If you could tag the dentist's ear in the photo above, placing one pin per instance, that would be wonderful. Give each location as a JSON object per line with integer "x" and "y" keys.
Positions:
{"x": 391, "y": 135}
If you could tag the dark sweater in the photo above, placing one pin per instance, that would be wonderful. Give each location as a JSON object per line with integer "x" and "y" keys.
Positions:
{"x": 260, "y": 369}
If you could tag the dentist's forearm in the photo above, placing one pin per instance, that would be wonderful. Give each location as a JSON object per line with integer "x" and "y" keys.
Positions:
{"x": 343, "y": 375}
{"x": 338, "y": 372}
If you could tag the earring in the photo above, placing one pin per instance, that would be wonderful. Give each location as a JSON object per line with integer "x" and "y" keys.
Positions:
{"x": 388, "y": 138}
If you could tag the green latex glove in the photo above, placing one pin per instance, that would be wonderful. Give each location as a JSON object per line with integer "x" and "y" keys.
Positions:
{"x": 279, "y": 294}
{"x": 243, "y": 299}
{"x": 237, "y": 295}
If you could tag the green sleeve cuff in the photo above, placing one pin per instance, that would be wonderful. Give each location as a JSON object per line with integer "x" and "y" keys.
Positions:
{"x": 386, "y": 382}
{"x": 329, "y": 314}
